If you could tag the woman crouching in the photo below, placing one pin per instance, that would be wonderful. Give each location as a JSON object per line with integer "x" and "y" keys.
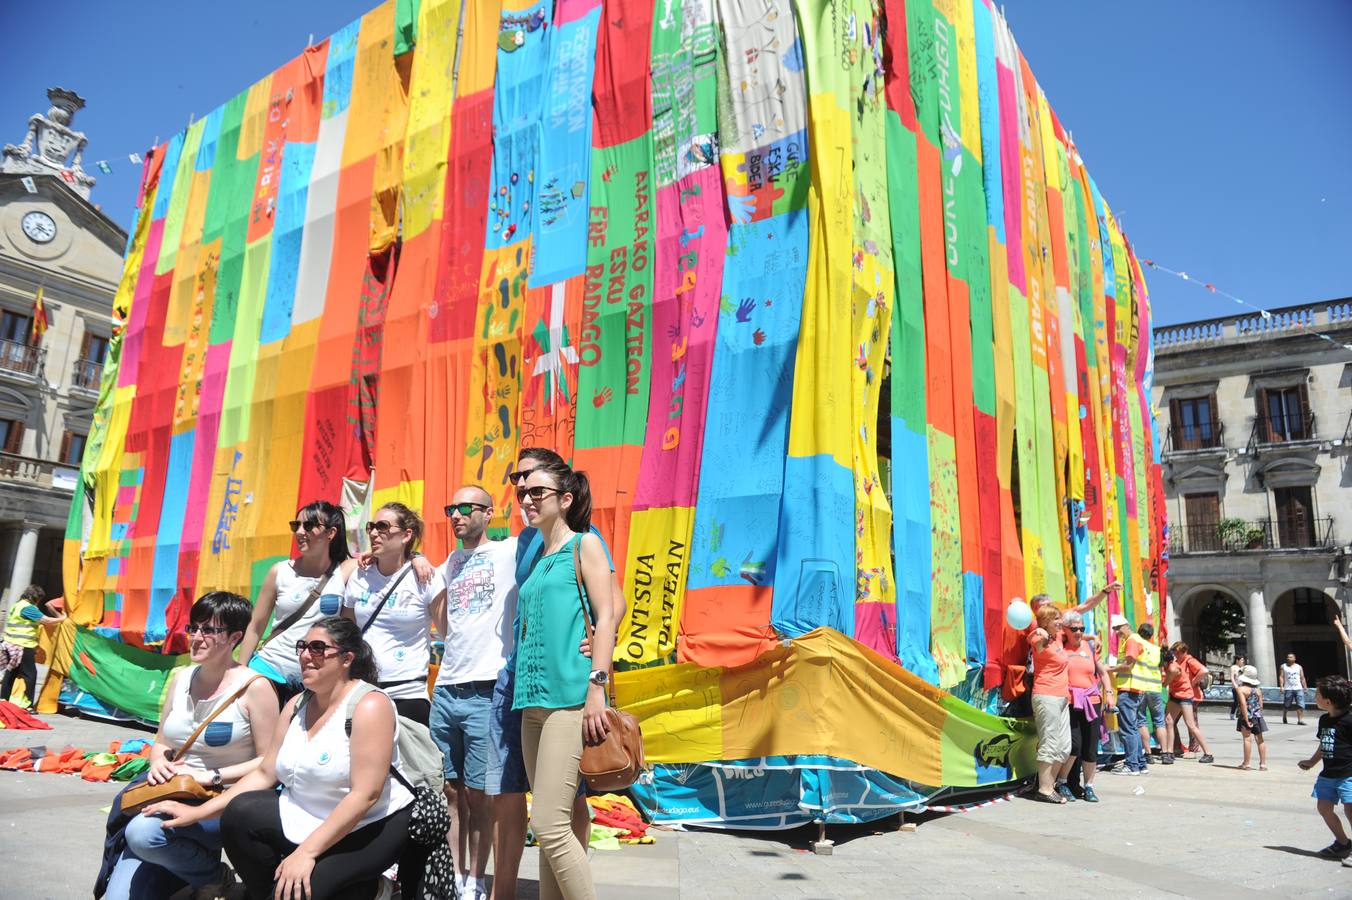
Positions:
{"x": 340, "y": 819}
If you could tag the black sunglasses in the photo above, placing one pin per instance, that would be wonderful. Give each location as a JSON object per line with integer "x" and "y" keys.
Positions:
{"x": 465, "y": 509}
{"x": 204, "y": 630}
{"x": 315, "y": 648}
{"x": 518, "y": 475}
{"x": 381, "y": 528}
{"x": 1074, "y": 628}
{"x": 537, "y": 493}
{"x": 307, "y": 524}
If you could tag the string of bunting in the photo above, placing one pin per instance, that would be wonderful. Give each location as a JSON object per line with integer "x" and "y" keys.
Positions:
{"x": 1240, "y": 300}
{"x": 68, "y": 175}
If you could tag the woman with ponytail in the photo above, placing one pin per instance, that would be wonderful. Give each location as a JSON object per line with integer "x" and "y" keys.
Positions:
{"x": 297, "y": 593}
{"x": 561, "y": 692}
{"x": 340, "y": 819}
{"x": 395, "y": 611}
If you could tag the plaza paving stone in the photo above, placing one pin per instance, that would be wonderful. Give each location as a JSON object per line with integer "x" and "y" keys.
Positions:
{"x": 1193, "y": 831}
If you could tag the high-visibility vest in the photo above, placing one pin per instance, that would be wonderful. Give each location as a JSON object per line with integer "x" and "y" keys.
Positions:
{"x": 19, "y": 631}
{"x": 1145, "y": 674}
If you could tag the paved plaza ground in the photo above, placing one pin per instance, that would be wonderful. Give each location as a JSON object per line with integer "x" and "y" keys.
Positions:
{"x": 1186, "y": 830}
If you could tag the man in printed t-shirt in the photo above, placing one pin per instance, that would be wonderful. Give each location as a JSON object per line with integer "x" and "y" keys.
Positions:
{"x": 480, "y": 582}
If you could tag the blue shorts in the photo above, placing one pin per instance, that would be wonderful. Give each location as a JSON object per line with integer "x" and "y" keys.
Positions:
{"x": 1334, "y": 790}
{"x": 460, "y": 726}
{"x": 506, "y": 765}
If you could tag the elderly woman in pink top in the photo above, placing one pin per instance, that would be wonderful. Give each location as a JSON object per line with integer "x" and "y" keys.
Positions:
{"x": 1091, "y": 694}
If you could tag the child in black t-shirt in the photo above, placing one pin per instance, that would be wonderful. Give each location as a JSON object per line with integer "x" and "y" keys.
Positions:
{"x": 1333, "y": 694}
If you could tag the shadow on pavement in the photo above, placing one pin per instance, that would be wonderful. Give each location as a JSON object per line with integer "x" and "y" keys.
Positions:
{"x": 1298, "y": 851}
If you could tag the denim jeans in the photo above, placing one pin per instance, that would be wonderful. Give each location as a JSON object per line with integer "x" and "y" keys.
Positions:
{"x": 1129, "y": 728}
{"x": 155, "y": 855}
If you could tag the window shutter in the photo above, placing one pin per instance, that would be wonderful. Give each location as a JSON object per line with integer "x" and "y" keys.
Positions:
{"x": 1265, "y": 431}
{"x": 15, "y": 442}
{"x": 65, "y": 447}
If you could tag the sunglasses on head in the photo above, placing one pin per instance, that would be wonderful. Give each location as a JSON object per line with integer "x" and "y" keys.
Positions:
{"x": 537, "y": 493}
{"x": 307, "y": 524}
{"x": 315, "y": 648}
{"x": 204, "y": 630}
{"x": 379, "y": 527}
{"x": 465, "y": 509}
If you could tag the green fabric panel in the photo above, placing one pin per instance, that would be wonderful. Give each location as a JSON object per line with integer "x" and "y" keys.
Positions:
{"x": 131, "y": 679}
{"x": 405, "y": 25}
{"x": 227, "y": 217}
{"x": 237, "y": 405}
{"x": 969, "y": 732}
{"x": 178, "y": 200}
{"x": 908, "y": 320}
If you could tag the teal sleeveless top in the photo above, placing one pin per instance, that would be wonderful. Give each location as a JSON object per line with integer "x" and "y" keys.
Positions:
{"x": 550, "y": 672}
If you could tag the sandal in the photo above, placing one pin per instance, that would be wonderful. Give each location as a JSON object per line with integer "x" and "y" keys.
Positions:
{"x": 1047, "y": 798}
{"x": 1244, "y": 768}
{"x": 1262, "y": 768}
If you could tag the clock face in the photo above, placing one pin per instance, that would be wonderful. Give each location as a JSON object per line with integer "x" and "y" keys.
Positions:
{"x": 39, "y": 227}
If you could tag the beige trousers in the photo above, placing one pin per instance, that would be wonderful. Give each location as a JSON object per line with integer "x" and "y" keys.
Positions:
{"x": 551, "y": 741}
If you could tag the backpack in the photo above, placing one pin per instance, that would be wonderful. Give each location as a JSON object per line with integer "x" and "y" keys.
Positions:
{"x": 420, "y": 761}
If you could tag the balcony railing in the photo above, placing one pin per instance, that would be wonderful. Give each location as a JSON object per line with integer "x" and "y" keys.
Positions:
{"x": 37, "y": 472}
{"x": 21, "y": 359}
{"x": 1264, "y": 534}
{"x": 1307, "y": 318}
{"x": 1201, "y": 436}
{"x": 87, "y": 374}
{"x": 1282, "y": 429}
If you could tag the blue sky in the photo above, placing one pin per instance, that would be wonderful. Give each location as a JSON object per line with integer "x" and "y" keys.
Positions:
{"x": 1219, "y": 131}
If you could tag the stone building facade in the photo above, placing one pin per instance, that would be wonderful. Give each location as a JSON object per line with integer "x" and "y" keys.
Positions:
{"x": 1255, "y": 415}
{"x": 55, "y": 242}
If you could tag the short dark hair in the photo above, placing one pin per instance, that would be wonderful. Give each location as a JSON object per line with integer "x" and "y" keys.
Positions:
{"x": 34, "y": 594}
{"x": 231, "y": 610}
{"x": 1146, "y": 630}
{"x": 1336, "y": 690}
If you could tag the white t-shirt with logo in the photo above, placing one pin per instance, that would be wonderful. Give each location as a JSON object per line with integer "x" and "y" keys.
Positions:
{"x": 480, "y": 611}
{"x": 1291, "y": 677}
{"x": 401, "y": 637}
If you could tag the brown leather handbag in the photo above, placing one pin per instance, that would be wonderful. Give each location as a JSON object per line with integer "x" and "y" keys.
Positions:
{"x": 613, "y": 764}
{"x": 180, "y": 787}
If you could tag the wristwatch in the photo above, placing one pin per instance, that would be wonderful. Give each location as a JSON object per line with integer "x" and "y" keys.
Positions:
{"x": 599, "y": 676}
{"x": 216, "y": 778}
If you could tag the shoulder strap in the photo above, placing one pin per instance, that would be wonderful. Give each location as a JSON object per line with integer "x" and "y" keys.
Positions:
{"x": 285, "y": 625}
{"x": 385, "y": 599}
{"x": 581, "y": 594}
{"x": 224, "y": 705}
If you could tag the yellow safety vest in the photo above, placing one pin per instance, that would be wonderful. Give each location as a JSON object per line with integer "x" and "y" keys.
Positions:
{"x": 19, "y": 631}
{"x": 1145, "y": 674}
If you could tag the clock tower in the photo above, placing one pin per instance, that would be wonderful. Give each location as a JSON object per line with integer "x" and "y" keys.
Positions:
{"x": 60, "y": 263}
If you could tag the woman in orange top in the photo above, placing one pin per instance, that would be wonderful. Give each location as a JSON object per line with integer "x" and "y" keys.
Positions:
{"x": 1051, "y": 702}
{"x": 1184, "y": 676}
{"x": 1090, "y": 694}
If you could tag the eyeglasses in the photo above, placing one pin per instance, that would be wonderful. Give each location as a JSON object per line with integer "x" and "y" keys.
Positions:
{"x": 307, "y": 524}
{"x": 518, "y": 475}
{"x": 465, "y": 509}
{"x": 537, "y": 493}
{"x": 1074, "y": 628}
{"x": 379, "y": 527}
{"x": 204, "y": 630}
{"x": 315, "y": 648}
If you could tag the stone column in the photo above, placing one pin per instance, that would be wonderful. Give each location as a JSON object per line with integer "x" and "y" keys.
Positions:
{"x": 1171, "y": 620}
{"x": 21, "y": 567}
{"x": 1261, "y": 652}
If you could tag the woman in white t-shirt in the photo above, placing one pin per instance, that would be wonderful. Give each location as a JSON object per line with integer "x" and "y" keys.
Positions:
{"x": 403, "y": 609}
{"x": 321, "y": 536}
{"x": 341, "y": 819}
{"x": 229, "y": 747}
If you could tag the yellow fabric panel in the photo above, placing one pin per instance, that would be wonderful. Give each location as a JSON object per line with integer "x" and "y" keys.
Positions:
{"x": 654, "y": 582}
{"x": 429, "y": 115}
{"x": 184, "y": 177}
{"x": 820, "y": 420}
{"x": 106, "y": 471}
{"x": 255, "y": 119}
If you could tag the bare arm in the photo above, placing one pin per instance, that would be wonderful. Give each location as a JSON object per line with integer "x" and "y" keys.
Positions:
{"x": 438, "y": 611}
{"x": 1342, "y": 632}
{"x": 1095, "y": 600}
{"x": 1304, "y": 685}
{"x": 260, "y": 705}
{"x": 262, "y": 615}
{"x": 598, "y": 579}
{"x": 161, "y": 768}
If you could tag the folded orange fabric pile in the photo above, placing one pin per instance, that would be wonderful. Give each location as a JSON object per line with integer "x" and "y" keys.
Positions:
{"x": 91, "y": 766}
